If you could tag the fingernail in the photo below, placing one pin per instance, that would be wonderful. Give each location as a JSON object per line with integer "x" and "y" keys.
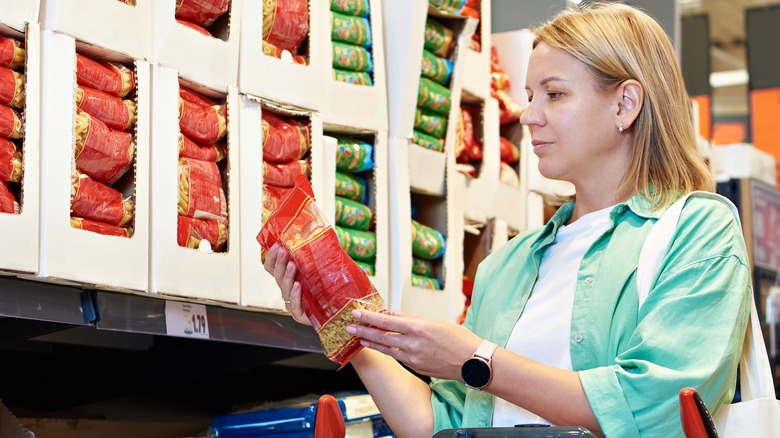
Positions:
{"x": 356, "y": 314}
{"x": 364, "y": 343}
{"x": 351, "y": 329}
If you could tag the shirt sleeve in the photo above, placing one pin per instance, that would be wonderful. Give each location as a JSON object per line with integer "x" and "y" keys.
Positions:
{"x": 448, "y": 399}
{"x": 689, "y": 332}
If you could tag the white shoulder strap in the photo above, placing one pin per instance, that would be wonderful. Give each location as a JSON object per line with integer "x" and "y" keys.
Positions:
{"x": 660, "y": 237}
{"x": 755, "y": 373}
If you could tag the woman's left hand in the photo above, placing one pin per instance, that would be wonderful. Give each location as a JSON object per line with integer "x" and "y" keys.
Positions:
{"x": 434, "y": 348}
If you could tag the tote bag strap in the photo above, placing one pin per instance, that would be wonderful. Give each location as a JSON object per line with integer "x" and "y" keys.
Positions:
{"x": 755, "y": 374}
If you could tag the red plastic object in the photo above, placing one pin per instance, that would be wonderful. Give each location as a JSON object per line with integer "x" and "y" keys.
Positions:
{"x": 695, "y": 418}
{"x": 328, "y": 422}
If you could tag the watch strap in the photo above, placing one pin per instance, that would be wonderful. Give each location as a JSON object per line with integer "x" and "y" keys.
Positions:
{"x": 486, "y": 350}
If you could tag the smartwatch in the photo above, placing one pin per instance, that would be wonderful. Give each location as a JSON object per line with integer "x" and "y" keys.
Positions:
{"x": 477, "y": 372}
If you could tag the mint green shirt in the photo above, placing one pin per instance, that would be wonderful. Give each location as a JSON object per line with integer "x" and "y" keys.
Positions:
{"x": 632, "y": 363}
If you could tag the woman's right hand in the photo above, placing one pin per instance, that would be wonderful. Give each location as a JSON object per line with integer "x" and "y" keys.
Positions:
{"x": 278, "y": 264}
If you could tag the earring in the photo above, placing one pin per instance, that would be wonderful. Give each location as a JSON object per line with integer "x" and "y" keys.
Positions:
{"x": 620, "y": 127}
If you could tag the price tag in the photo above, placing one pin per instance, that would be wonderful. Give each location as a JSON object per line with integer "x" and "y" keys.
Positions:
{"x": 187, "y": 320}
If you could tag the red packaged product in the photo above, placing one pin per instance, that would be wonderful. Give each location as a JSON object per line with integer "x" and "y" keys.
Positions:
{"x": 100, "y": 227}
{"x": 8, "y": 202}
{"x": 114, "y": 79}
{"x": 11, "y": 125}
{"x": 283, "y": 174}
{"x": 286, "y": 23}
{"x": 510, "y": 153}
{"x": 469, "y": 11}
{"x": 200, "y": 190}
{"x": 271, "y": 50}
{"x": 205, "y": 152}
{"x": 191, "y": 232}
{"x": 12, "y": 55}
{"x": 194, "y": 97}
{"x": 332, "y": 284}
{"x": 114, "y": 112}
{"x": 90, "y": 199}
{"x": 203, "y": 124}
{"x": 101, "y": 152}
{"x": 200, "y": 29}
{"x": 271, "y": 197}
{"x": 10, "y": 161}
{"x": 11, "y": 88}
{"x": 284, "y": 140}
{"x": 202, "y": 12}
{"x": 473, "y": 147}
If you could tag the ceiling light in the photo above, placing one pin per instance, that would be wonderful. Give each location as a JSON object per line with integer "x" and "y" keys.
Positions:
{"x": 728, "y": 78}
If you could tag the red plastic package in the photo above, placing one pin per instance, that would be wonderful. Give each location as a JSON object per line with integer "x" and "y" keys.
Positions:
{"x": 204, "y": 152}
{"x": 114, "y": 112}
{"x": 12, "y": 55}
{"x": 8, "y": 202}
{"x": 332, "y": 284}
{"x": 192, "y": 232}
{"x": 102, "y": 153}
{"x": 11, "y": 88}
{"x": 510, "y": 153}
{"x": 272, "y": 195}
{"x": 203, "y": 124}
{"x": 100, "y": 227}
{"x": 194, "y": 97}
{"x": 114, "y": 79}
{"x": 10, "y": 161}
{"x": 283, "y": 175}
{"x": 201, "y": 12}
{"x": 200, "y": 190}
{"x": 197, "y": 28}
{"x": 499, "y": 80}
{"x": 11, "y": 125}
{"x": 473, "y": 147}
{"x": 271, "y": 50}
{"x": 284, "y": 140}
{"x": 90, "y": 199}
{"x": 286, "y": 23}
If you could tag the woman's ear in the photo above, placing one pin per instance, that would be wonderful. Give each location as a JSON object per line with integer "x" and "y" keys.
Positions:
{"x": 631, "y": 97}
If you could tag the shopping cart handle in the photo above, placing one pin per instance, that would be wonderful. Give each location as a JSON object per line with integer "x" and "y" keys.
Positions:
{"x": 329, "y": 422}
{"x": 695, "y": 417}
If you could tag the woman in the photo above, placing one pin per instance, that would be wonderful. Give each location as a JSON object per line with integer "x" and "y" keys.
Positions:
{"x": 608, "y": 112}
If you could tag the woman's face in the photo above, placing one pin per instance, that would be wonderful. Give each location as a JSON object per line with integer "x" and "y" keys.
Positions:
{"x": 574, "y": 125}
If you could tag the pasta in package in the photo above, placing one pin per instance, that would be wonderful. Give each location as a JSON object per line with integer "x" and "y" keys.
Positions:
{"x": 332, "y": 284}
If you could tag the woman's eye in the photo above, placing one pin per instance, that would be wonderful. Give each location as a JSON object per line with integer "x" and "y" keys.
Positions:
{"x": 554, "y": 95}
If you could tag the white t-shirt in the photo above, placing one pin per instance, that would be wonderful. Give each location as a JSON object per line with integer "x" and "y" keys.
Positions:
{"x": 549, "y": 308}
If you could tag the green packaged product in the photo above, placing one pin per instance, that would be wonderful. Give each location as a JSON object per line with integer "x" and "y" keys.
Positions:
{"x": 425, "y": 282}
{"x": 354, "y": 155}
{"x": 427, "y": 141}
{"x": 351, "y": 187}
{"x": 449, "y": 6}
{"x": 422, "y": 267}
{"x": 351, "y": 57}
{"x": 433, "y": 96}
{"x": 438, "y": 38}
{"x": 353, "y": 77}
{"x": 352, "y": 214}
{"x": 350, "y": 29}
{"x": 358, "y": 8}
{"x": 360, "y": 245}
{"x": 368, "y": 268}
{"x": 430, "y": 123}
{"x": 436, "y": 68}
{"x": 427, "y": 243}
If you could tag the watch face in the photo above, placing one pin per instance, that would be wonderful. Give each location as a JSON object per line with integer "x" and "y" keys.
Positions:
{"x": 475, "y": 372}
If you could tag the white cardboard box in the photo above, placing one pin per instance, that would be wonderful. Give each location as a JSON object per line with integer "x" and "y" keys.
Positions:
{"x": 480, "y": 191}
{"x": 67, "y": 253}
{"x": 206, "y": 60}
{"x": 20, "y": 231}
{"x": 743, "y": 161}
{"x": 378, "y": 201}
{"x": 444, "y": 214}
{"x": 113, "y": 25}
{"x": 270, "y": 78}
{"x": 17, "y": 13}
{"x": 258, "y": 287}
{"x": 477, "y": 80}
{"x": 175, "y": 270}
{"x": 360, "y": 105}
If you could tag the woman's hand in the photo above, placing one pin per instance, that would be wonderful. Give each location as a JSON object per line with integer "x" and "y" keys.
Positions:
{"x": 433, "y": 348}
{"x": 278, "y": 263}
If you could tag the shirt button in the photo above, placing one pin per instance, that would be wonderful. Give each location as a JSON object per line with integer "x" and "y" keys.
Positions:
{"x": 578, "y": 338}
{"x": 589, "y": 280}
{"x": 621, "y": 209}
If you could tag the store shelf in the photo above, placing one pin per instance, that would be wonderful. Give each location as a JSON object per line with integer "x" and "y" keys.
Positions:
{"x": 45, "y": 302}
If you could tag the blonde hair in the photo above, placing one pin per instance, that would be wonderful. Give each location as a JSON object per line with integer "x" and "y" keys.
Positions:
{"x": 618, "y": 42}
